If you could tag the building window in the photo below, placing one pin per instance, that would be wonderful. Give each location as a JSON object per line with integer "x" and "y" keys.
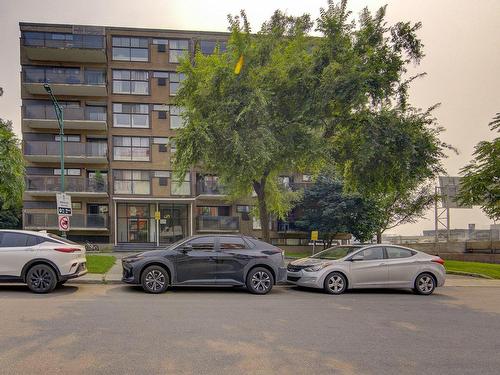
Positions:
{"x": 213, "y": 210}
{"x": 131, "y": 82}
{"x": 306, "y": 178}
{"x": 131, "y": 182}
{"x": 131, "y": 148}
{"x": 176, "y": 120}
{"x": 177, "y": 49}
{"x": 242, "y": 209}
{"x": 162, "y": 174}
{"x": 130, "y": 49}
{"x": 76, "y": 205}
{"x": 207, "y": 47}
{"x": 127, "y": 115}
{"x": 181, "y": 187}
{"x": 175, "y": 81}
{"x": 67, "y": 172}
{"x": 162, "y": 181}
{"x": 67, "y": 138}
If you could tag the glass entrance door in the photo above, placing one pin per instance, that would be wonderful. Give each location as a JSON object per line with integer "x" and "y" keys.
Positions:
{"x": 174, "y": 222}
{"x": 135, "y": 223}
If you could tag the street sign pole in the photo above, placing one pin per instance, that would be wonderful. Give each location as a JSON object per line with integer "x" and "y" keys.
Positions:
{"x": 60, "y": 120}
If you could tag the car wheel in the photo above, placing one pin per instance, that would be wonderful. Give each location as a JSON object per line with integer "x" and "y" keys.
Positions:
{"x": 260, "y": 281}
{"x": 41, "y": 279}
{"x": 155, "y": 279}
{"x": 425, "y": 284}
{"x": 335, "y": 283}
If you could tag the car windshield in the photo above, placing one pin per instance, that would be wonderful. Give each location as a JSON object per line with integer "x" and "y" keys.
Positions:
{"x": 173, "y": 245}
{"x": 336, "y": 252}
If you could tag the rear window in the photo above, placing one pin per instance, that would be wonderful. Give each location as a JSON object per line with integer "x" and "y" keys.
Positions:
{"x": 13, "y": 239}
{"x": 396, "y": 252}
{"x": 232, "y": 243}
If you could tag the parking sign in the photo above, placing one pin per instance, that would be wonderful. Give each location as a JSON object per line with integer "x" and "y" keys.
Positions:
{"x": 63, "y": 204}
{"x": 63, "y": 223}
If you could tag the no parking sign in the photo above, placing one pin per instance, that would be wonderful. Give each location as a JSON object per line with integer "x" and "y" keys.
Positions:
{"x": 63, "y": 223}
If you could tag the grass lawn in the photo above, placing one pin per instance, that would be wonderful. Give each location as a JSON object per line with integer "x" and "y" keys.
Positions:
{"x": 487, "y": 269}
{"x": 100, "y": 263}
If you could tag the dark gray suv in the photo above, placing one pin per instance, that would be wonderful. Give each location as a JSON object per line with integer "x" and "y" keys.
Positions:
{"x": 228, "y": 260}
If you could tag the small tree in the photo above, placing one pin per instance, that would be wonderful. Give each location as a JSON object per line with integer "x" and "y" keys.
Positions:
{"x": 249, "y": 125}
{"x": 325, "y": 207}
{"x": 11, "y": 167}
{"x": 481, "y": 182}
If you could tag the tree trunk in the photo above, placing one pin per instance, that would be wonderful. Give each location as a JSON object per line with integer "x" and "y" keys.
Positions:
{"x": 379, "y": 236}
{"x": 260, "y": 190}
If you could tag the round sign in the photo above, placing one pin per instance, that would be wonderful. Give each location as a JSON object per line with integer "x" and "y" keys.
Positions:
{"x": 63, "y": 222}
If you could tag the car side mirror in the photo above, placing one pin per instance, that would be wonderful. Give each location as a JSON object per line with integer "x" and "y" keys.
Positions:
{"x": 357, "y": 258}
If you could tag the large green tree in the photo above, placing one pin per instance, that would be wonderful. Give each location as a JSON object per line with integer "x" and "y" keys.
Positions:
{"x": 249, "y": 127}
{"x": 481, "y": 177}
{"x": 300, "y": 102}
{"x": 11, "y": 167}
{"x": 327, "y": 208}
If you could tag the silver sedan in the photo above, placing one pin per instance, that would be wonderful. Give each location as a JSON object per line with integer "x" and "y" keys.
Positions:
{"x": 368, "y": 266}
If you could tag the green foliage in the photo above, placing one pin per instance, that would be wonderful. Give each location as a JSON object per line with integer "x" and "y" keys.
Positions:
{"x": 248, "y": 128}
{"x": 11, "y": 167}
{"x": 10, "y": 218}
{"x": 326, "y": 208}
{"x": 481, "y": 181}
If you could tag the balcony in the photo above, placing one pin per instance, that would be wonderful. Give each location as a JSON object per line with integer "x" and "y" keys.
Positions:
{"x": 77, "y": 118}
{"x": 209, "y": 185}
{"x": 218, "y": 223}
{"x": 75, "y": 186}
{"x": 74, "y": 152}
{"x": 41, "y": 221}
{"x": 65, "y": 81}
{"x": 43, "y": 46}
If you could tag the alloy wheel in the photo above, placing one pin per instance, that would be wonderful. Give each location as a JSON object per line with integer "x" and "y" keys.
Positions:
{"x": 425, "y": 284}
{"x": 336, "y": 283}
{"x": 40, "y": 279}
{"x": 155, "y": 280}
{"x": 261, "y": 281}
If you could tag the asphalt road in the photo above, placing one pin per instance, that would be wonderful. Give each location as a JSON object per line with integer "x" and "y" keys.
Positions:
{"x": 115, "y": 329}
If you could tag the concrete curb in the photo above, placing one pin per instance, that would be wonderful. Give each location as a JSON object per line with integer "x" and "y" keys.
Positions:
{"x": 470, "y": 274}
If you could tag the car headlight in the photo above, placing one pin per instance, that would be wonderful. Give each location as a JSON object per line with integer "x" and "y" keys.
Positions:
{"x": 316, "y": 267}
{"x": 134, "y": 258}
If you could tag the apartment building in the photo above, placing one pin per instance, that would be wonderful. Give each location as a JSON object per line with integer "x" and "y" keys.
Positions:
{"x": 116, "y": 86}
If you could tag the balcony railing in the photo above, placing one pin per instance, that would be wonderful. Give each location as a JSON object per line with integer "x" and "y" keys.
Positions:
{"x": 218, "y": 223}
{"x": 72, "y": 184}
{"x": 77, "y": 221}
{"x": 59, "y": 40}
{"x": 79, "y": 149}
{"x": 75, "y": 76}
{"x": 209, "y": 188}
{"x": 46, "y": 112}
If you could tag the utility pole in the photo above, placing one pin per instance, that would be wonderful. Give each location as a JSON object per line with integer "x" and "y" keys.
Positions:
{"x": 60, "y": 119}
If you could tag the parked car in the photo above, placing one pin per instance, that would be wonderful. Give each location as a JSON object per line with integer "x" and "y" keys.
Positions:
{"x": 221, "y": 260}
{"x": 39, "y": 259}
{"x": 368, "y": 266}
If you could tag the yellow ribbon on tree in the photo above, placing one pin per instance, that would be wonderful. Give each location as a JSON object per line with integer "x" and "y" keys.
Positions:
{"x": 239, "y": 65}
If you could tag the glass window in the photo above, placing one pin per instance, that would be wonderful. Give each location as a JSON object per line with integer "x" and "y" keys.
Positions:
{"x": 161, "y": 74}
{"x": 242, "y": 209}
{"x": 175, "y": 80}
{"x": 130, "y": 49}
{"x": 67, "y": 172}
{"x": 162, "y": 174}
{"x": 160, "y": 140}
{"x": 336, "y": 252}
{"x": 181, "y": 187}
{"x": 67, "y": 138}
{"x": 12, "y": 239}
{"x": 131, "y": 182}
{"x": 176, "y": 120}
{"x": 131, "y": 148}
{"x": 201, "y": 243}
{"x": 232, "y": 243}
{"x": 207, "y": 47}
{"x": 131, "y": 82}
{"x": 372, "y": 253}
{"x": 128, "y": 115}
{"x": 177, "y": 49}
{"x": 396, "y": 252}
{"x": 160, "y": 41}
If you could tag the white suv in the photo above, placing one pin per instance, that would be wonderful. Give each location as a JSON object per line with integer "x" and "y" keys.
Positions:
{"x": 39, "y": 259}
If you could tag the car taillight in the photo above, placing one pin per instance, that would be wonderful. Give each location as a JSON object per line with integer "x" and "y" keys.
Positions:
{"x": 438, "y": 260}
{"x": 68, "y": 249}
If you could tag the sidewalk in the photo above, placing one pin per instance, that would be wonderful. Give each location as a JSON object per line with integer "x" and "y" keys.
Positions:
{"x": 113, "y": 276}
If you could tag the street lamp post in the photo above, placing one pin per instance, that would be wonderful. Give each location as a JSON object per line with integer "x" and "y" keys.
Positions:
{"x": 60, "y": 119}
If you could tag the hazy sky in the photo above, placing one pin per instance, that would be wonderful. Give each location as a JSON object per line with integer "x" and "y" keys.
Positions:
{"x": 461, "y": 38}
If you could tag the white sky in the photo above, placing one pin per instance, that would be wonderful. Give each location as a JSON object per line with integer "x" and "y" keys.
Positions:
{"x": 461, "y": 39}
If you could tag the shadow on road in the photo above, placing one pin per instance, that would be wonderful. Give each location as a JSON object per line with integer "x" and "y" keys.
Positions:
{"x": 23, "y": 290}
